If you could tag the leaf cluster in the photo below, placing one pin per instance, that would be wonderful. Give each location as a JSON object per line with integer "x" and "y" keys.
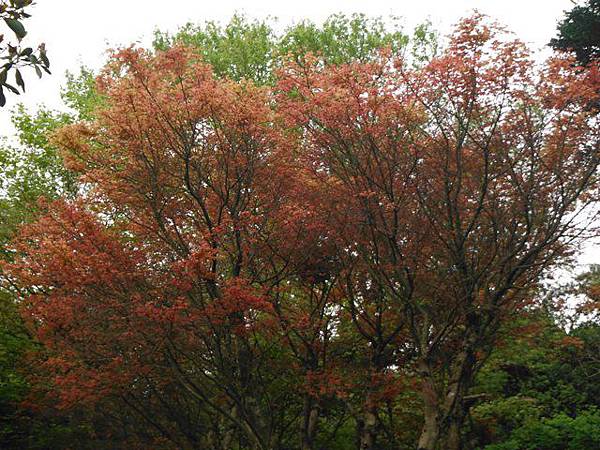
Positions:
{"x": 13, "y": 53}
{"x": 579, "y": 32}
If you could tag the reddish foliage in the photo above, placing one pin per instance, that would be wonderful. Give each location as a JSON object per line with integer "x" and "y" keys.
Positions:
{"x": 331, "y": 235}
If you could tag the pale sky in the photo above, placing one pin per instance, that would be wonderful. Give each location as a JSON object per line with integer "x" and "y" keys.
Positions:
{"x": 79, "y": 31}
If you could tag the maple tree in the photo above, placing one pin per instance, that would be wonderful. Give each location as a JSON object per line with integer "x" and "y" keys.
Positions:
{"x": 26, "y": 169}
{"x": 261, "y": 267}
{"x": 465, "y": 179}
{"x": 213, "y": 177}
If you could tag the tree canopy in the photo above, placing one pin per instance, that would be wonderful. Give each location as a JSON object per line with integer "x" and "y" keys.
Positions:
{"x": 253, "y": 50}
{"x": 579, "y": 32}
{"x": 330, "y": 237}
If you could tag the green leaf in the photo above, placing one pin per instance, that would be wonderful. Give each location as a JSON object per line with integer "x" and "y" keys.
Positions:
{"x": 19, "y": 79}
{"x": 2, "y": 98}
{"x": 38, "y": 71}
{"x": 16, "y": 26}
{"x": 3, "y": 75}
{"x": 12, "y": 89}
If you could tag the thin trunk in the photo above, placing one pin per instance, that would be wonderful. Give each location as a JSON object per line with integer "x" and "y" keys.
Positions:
{"x": 453, "y": 440}
{"x": 429, "y": 434}
{"x": 431, "y": 410}
{"x": 230, "y": 431}
{"x": 310, "y": 422}
{"x": 254, "y": 418}
{"x": 368, "y": 427}
{"x": 257, "y": 428}
{"x": 454, "y": 407}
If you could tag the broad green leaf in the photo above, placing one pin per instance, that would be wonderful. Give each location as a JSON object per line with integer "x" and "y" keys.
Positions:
{"x": 16, "y": 26}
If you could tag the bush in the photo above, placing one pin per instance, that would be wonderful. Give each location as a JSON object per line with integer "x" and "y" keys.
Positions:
{"x": 559, "y": 432}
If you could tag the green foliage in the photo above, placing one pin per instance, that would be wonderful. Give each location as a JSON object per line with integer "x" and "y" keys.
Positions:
{"x": 505, "y": 414}
{"x": 424, "y": 43}
{"x": 31, "y": 169}
{"x": 245, "y": 49}
{"x": 241, "y": 49}
{"x": 342, "y": 39}
{"x": 80, "y": 93}
{"x": 541, "y": 388}
{"x": 579, "y": 32}
{"x": 14, "y": 343}
{"x": 559, "y": 432}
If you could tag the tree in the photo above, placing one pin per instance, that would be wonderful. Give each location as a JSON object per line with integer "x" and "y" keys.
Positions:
{"x": 28, "y": 170}
{"x": 12, "y": 12}
{"x": 539, "y": 389}
{"x": 253, "y": 50}
{"x": 587, "y": 285}
{"x": 208, "y": 331}
{"x": 458, "y": 184}
{"x": 31, "y": 168}
{"x": 579, "y": 32}
{"x": 280, "y": 265}
{"x": 35, "y": 168}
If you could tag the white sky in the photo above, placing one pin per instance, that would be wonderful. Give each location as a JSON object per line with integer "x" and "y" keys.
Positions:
{"x": 79, "y": 31}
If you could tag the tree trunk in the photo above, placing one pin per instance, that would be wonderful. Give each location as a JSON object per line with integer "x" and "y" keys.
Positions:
{"x": 367, "y": 427}
{"x": 461, "y": 379}
{"x": 430, "y": 432}
{"x": 444, "y": 417}
{"x": 230, "y": 431}
{"x": 309, "y": 425}
{"x": 453, "y": 438}
{"x": 431, "y": 410}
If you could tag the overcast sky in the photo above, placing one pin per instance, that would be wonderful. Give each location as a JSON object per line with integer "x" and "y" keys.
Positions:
{"x": 79, "y": 31}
